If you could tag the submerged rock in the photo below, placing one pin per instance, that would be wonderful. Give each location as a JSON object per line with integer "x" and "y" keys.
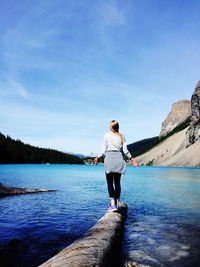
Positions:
{"x": 130, "y": 264}
{"x": 6, "y": 190}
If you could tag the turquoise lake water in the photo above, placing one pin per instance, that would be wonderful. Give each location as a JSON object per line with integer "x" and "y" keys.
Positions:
{"x": 162, "y": 226}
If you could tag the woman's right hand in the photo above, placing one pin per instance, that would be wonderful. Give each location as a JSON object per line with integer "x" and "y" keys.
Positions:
{"x": 96, "y": 160}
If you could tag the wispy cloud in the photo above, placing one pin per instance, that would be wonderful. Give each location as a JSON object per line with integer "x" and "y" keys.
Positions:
{"x": 11, "y": 87}
{"x": 111, "y": 14}
{"x": 111, "y": 24}
{"x": 26, "y": 46}
{"x": 35, "y": 36}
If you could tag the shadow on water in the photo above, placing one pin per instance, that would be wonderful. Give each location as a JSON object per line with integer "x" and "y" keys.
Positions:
{"x": 15, "y": 253}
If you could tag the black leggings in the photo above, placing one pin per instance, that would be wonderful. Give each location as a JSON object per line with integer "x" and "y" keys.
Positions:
{"x": 114, "y": 191}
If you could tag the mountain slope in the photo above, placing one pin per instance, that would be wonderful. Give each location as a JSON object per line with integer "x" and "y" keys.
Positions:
{"x": 173, "y": 152}
{"x": 142, "y": 146}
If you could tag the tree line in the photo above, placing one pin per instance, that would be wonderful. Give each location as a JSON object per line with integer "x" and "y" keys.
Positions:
{"x": 14, "y": 152}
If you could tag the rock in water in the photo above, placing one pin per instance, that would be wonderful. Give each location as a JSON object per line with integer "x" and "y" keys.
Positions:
{"x": 7, "y": 190}
{"x": 194, "y": 128}
{"x": 180, "y": 111}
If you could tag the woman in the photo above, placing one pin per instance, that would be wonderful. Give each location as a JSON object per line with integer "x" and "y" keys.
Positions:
{"x": 114, "y": 145}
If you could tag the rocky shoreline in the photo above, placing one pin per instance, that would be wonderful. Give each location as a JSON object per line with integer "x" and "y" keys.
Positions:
{"x": 9, "y": 191}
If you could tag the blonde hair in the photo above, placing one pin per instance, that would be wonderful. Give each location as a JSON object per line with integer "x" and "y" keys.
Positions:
{"x": 114, "y": 127}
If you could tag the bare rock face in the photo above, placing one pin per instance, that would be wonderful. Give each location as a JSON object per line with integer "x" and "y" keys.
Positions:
{"x": 180, "y": 111}
{"x": 193, "y": 132}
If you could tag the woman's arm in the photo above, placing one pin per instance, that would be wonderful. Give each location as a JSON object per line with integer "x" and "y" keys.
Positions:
{"x": 103, "y": 150}
{"x": 127, "y": 153}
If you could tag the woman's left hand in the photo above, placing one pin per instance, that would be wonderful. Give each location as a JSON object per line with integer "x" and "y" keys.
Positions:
{"x": 134, "y": 163}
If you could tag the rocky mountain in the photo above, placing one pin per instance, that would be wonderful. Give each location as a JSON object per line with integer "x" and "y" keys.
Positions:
{"x": 193, "y": 132}
{"x": 181, "y": 148}
{"x": 180, "y": 111}
{"x": 172, "y": 152}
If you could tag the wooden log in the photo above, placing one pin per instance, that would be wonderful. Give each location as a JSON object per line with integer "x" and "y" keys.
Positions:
{"x": 99, "y": 247}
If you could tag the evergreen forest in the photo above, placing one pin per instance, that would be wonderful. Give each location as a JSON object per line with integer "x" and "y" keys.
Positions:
{"x": 15, "y": 151}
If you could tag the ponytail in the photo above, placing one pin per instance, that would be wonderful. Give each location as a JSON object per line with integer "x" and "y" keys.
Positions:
{"x": 114, "y": 126}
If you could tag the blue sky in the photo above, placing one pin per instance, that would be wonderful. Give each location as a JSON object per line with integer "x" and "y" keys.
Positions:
{"x": 69, "y": 67}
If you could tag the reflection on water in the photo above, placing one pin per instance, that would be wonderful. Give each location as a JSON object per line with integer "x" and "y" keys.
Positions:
{"x": 162, "y": 227}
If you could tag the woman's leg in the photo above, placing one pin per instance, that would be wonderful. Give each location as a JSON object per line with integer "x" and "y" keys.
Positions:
{"x": 111, "y": 190}
{"x": 117, "y": 178}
